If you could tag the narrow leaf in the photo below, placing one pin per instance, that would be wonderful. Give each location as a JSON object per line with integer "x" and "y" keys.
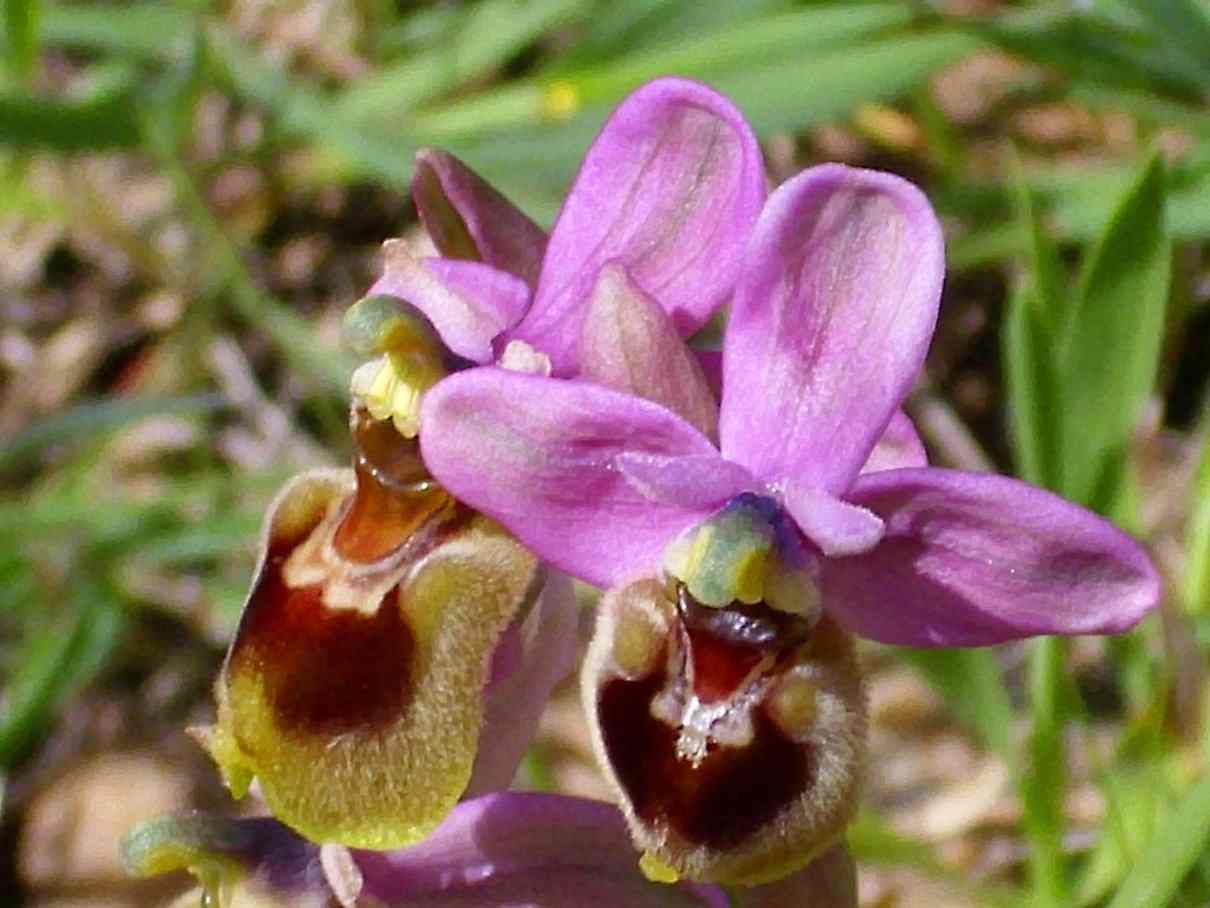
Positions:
{"x": 1112, "y": 340}
{"x": 53, "y": 664}
{"x": 1044, "y": 781}
{"x": 21, "y": 36}
{"x": 1197, "y": 534}
{"x": 1171, "y": 853}
{"x": 1032, "y": 388}
{"x": 96, "y": 124}
{"x": 153, "y": 31}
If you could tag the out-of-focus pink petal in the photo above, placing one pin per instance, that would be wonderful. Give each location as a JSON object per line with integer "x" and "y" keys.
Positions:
{"x": 468, "y": 303}
{"x": 541, "y": 456}
{"x": 973, "y": 559}
{"x": 899, "y": 448}
{"x": 630, "y": 344}
{"x": 525, "y": 849}
{"x": 512, "y": 705}
{"x": 468, "y": 219}
{"x": 698, "y": 481}
{"x": 831, "y": 319}
{"x": 837, "y": 527}
{"x": 670, "y": 188}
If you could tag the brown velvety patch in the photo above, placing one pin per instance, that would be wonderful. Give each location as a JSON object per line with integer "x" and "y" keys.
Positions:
{"x": 327, "y": 671}
{"x": 729, "y": 796}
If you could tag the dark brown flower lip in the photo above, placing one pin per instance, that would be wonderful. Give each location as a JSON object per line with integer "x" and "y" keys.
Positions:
{"x": 722, "y": 660}
{"x": 331, "y": 670}
{"x": 721, "y": 801}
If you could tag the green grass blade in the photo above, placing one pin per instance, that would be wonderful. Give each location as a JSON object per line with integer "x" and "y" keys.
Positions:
{"x": 750, "y": 43}
{"x": 485, "y": 36}
{"x": 1031, "y": 385}
{"x": 145, "y": 31}
{"x": 1043, "y": 782}
{"x": 53, "y": 664}
{"x": 309, "y": 114}
{"x": 1196, "y": 585}
{"x": 1031, "y": 377}
{"x": 1183, "y": 28}
{"x": 1171, "y": 853}
{"x": 87, "y": 419}
{"x": 95, "y": 124}
{"x": 21, "y": 26}
{"x": 769, "y": 92}
{"x": 1112, "y": 340}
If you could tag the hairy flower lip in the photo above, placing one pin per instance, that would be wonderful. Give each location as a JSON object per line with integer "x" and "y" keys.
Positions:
{"x": 755, "y": 803}
{"x": 345, "y": 673}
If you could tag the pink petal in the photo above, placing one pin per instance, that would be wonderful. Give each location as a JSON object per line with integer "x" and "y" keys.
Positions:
{"x": 468, "y": 219}
{"x": 468, "y": 303}
{"x": 973, "y": 559}
{"x": 525, "y": 849}
{"x": 699, "y": 481}
{"x": 670, "y": 188}
{"x": 541, "y": 455}
{"x": 630, "y": 344}
{"x": 837, "y": 527}
{"x": 546, "y": 640}
{"x": 899, "y": 448}
{"x": 830, "y": 323}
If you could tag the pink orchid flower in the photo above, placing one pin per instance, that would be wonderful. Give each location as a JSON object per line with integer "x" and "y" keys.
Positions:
{"x": 726, "y": 702}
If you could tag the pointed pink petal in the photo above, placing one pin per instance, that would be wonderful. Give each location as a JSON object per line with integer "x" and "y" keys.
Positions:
{"x": 468, "y": 219}
{"x": 899, "y": 447}
{"x": 630, "y": 344}
{"x": 541, "y": 455}
{"x": 468, "y": 303}
{"x": 546, "y": 642}
{"x": 830, "y": 323}
{"x": 670, "y": 188}
{"x": 525, "y": 849}
{"x": 973, "y": 559}
{"x": 837, "y": 527}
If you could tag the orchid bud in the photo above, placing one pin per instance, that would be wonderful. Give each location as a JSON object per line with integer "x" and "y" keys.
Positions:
{"x": 254, "y": 863}
{"x": 354, "y": 688}
{"x": 733, "y": 734}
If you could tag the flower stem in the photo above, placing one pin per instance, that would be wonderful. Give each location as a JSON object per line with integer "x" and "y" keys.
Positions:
{"x": 1044, "y": 783}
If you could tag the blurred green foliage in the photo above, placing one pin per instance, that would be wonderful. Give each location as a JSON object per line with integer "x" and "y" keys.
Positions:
{"x": 1103, "y": 255}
